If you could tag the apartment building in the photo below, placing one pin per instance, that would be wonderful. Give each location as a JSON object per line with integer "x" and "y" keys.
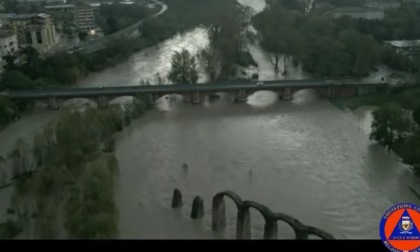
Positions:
{"x": 8, "y": 44}
{"x": 85, "y": 17}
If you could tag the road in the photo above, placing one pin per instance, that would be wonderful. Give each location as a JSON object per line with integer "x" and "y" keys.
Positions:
{"x": 176, "y": 88}
{"x": 101, "y": 43}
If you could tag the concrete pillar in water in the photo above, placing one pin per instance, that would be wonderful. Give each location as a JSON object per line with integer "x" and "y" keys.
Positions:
{"x": 177, "y": 199}
{"x": 243, "y": 226}
{"x": 53, "y": 103}
{"x": 197, "y": 208}
{"x": 301, "y": 234}
{"x": 218, "y": 214}
{"x": 270, "y": 230}
{"x": 102, "y": 102}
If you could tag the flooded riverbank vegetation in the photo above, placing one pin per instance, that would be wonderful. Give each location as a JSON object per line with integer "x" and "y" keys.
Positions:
{"x": 396, "y": 123}
{"x": 343, "y": 48}
{"x": 224, "y": 18}
{"x": 114, "y": 17}
{"x": 64, "y": 179}
{"x": 225, "y": 22}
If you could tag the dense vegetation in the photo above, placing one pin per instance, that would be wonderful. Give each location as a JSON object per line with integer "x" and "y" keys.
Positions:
{"x": 225, "y": 22}
{"x": 325, "y": 48}
{"x": 115, "y": 17}
{"x": 14, "y": 6}
{"x": 66, "y": 177}
{"x": 344, "y": 3}
{"x": 61, "y": 69}
{"x": 396, "y": 126}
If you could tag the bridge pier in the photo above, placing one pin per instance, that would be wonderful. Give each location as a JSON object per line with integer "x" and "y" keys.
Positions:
{"x": 53, "y": 103}
{"x": 270, "y": 230}
{"x": 102, "y": 102}
{"x": 177, "y": 199}
{"x": 287, "y": 94}
{"x": 241, "y": 96}
{"x": 218, "y": 214}
{"x": 197, "y": 210}
{"x": 330, "y": 92}
{"x": 243, "y": 225}
{"x": 280, "y": 94}
{"x": 196, "y": 98}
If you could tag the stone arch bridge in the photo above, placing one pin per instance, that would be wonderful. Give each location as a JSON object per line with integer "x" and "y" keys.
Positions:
{"x": 195, "y": 93}
{"x": 243, "y": 220}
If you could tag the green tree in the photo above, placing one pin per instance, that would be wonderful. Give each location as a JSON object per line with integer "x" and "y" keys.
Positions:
{"x": 416, "y": 115}
{"x": 8, "y": 111}
{"x": 111, "y": 24}
{"x": 3, "y": 174}
{"x": 15, "y": 80}
{"x": 10, "y": 62}
{"x": 22, "y": 159}
{"x": 410, "y": 151}
{"x": 391, "y": 124}
{"x": 184, "y": 68}
{"x": 210, "y": 61}
{"x": 408, "y": 100}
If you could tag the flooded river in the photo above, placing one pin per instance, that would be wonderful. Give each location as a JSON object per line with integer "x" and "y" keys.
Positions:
{"x": 308, "y": 159}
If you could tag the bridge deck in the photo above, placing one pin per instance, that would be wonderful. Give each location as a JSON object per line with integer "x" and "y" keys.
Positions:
{"x": 178, "y": 88}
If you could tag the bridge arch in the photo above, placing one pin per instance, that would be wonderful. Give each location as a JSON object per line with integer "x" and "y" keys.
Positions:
{"x": 270, "y": 226}
{"x": 157, "y": 97}
{"x": 302, "y": 231}
{"x": 121, "y": 99}
{"x": 319, "y": 91}
{"x": 219, "y": 210}
{"x": 318, "y": 232}
{"x": 69, "y": 101}
{"x": 56, "y": 103}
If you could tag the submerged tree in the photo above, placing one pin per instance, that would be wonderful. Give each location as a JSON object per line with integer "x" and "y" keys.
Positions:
{"x": 184, "y": 68}
{"x": 3, "y": 173}
{"x": 390, "y": 125}
{"x": 211, "y": 62}
{"x": 22, "y": 158}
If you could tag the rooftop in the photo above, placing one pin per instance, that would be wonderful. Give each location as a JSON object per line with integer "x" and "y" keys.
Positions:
{"x": 27, "y": 16}
{"x": 6, "y": 15}
{"x": 356, "y": 10}
{"x": 59, "y": 6}
{"x": 82, "y": 5}
{"x": 404, "y": 43}
{"x": 5, "y": 34}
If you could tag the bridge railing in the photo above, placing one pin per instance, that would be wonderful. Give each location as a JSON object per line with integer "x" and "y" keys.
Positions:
{"x": 243, "y": 221}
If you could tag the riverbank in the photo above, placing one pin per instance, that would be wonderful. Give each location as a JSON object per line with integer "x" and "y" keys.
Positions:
{"x": 352, "y": 103}
{"x": 73, "y": 187}
{"x": 395, "y": 122}
{"x": 406, "y": 96}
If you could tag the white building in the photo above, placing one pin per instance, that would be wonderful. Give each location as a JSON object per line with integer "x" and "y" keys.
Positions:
{"x": 8, "y": 44}
{"x": 383, "y": 5}
{"x": 357, "y": 13}
{"x": 403, "y": 46}
{"x": 85, "y": 17}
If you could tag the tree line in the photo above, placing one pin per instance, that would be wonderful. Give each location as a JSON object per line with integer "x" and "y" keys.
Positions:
{"x": 327, "y": 48}
{"x": 396, "y": 124}
{"x": 114, "y": 17}
{"x": 65, "y": 176}
{"x": 225, "y": 22}
{"x": 64, "y": 69}
{"x": 60, "y": 69}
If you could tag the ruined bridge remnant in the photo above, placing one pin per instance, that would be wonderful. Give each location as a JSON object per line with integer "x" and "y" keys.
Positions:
{"x": 243, "y": 221}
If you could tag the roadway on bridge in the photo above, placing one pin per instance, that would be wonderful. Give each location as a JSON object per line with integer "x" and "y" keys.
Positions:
{"x": 173, "y": 89}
